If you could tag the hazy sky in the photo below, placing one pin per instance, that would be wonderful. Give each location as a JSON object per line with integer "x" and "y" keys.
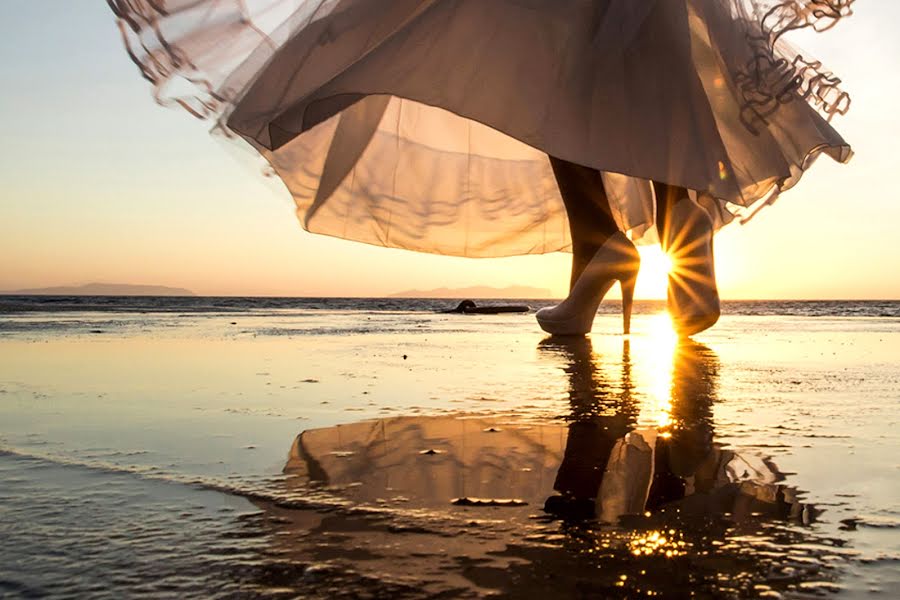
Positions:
{"x": 101, "y": 184}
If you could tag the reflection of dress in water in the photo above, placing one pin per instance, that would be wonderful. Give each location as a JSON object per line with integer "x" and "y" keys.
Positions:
{"x": 612, "y": 468}
{"x": 427, "y": 124}
{"x": 677, "y": 513}
{"x": 602, "y": 464}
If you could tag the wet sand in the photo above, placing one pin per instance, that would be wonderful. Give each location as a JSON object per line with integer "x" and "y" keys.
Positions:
{"x": 406, "y": 454}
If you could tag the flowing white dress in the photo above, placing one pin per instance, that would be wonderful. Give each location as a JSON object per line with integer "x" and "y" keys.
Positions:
{"x": 426, "y": 124}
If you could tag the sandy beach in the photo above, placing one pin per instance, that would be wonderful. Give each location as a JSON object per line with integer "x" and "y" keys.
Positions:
{"x": 364, "y": 451}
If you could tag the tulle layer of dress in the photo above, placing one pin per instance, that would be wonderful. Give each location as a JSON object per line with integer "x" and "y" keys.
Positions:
{"x": 426, "y": 124}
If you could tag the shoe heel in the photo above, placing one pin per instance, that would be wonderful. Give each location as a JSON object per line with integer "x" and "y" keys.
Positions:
{"x": 616, "y": 260}
{"x": 627, "y": 302}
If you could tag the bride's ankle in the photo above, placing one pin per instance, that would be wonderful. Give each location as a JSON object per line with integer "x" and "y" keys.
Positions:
{"x": 582, "y": 254}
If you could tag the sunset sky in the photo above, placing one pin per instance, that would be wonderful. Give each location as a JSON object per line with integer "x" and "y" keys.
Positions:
{"x": 101, "y": 184}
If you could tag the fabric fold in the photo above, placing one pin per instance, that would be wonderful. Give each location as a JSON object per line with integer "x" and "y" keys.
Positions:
{"x": 426, "y": 124}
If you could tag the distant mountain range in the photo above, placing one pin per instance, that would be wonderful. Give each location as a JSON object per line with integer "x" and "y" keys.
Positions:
{"x": 478, "y": 291}
{"x": 105, "y": 289}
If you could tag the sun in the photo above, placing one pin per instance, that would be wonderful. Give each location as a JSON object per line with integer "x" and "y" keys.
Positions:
{"x": 653, "y": 277}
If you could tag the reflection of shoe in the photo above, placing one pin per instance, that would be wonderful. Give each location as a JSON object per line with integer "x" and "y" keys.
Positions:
{"x": 616, "y": 260}
{"x": 693, "y": 299}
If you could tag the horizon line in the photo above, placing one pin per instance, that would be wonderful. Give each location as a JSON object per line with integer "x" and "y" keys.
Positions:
{"x": 396, "y": 297}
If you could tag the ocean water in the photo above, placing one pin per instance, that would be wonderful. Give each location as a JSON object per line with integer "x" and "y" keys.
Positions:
{"x": 247, "y": 447}
{"x": 10, "y": 304}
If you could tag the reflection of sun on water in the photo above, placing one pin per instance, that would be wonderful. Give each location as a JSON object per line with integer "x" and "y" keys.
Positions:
{"x": 660, "y": 352}
{"x": 663, "y": 543}
{"x": 653, "y": 276}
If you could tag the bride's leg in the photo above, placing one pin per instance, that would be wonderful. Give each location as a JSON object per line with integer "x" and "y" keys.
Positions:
{"x": 686, "y": 235}
{"x": 666, "y": 197}
{"x": 602, "y": 255}
{"x": 591, "y": 221}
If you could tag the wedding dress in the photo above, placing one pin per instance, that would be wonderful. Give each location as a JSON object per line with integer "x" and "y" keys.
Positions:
{"x": 426, "y": 124}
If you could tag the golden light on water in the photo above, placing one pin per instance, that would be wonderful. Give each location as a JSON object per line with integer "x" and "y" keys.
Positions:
{"x": 661, "y": 343}
{"x": 660, "y": 543}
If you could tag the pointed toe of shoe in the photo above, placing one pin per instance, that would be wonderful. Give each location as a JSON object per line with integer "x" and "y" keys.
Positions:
{"x": 544, "y": 313}
{"x": 688, "y": 326}
{"x": 550, "y": 321}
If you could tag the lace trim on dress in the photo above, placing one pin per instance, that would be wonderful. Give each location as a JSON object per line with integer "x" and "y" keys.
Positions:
{"x": 187, "y": 48}
{"x": 776, "y": 74}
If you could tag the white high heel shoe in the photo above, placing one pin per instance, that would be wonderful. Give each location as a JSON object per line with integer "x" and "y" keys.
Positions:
{"x": 692, "y": 298}
{"x": 616, "y": 260}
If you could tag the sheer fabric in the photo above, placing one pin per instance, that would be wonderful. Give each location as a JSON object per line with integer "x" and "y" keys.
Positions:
{"x": 426, "y": 124}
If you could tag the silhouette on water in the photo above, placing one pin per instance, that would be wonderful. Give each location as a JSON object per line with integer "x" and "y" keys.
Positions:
{"x": 596, "y": 505}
